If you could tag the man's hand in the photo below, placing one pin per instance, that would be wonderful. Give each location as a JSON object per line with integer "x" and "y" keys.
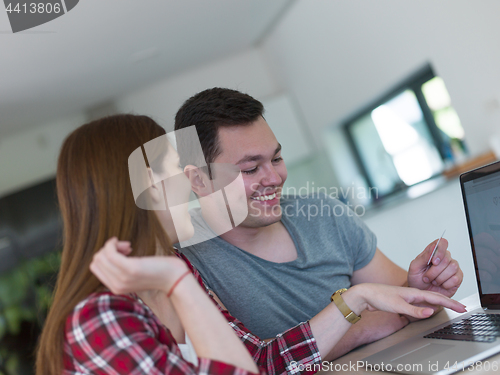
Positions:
{"x": 443, "y": 275}
{"x": 373, "y": 326}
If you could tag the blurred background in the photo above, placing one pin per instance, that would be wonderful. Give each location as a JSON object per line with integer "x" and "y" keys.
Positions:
{"x": 381, "y": 103}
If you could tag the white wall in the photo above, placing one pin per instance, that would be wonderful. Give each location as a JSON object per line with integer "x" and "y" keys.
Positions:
{"x": 246, "y": 72}
{"x": 335, "y": 56}
{"x": 31, "y": 156}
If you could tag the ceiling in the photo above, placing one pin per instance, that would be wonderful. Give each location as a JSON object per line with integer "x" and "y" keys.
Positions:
{"x": 102, "y": 49}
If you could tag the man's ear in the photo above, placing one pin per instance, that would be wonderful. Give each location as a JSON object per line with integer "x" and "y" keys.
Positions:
{"x": 200, "y": 183}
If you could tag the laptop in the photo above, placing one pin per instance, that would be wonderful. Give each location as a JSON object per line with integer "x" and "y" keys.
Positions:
{"x": 455, "y": 345}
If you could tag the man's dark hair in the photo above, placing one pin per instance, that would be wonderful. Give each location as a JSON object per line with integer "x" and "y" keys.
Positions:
{"x": 208, "y": 111}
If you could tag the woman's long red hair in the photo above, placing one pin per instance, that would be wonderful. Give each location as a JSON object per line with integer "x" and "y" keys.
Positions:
{"x": 96, "y": 203}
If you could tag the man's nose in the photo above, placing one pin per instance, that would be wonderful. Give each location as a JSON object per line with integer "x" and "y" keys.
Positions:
{"x": 272, "y": 177}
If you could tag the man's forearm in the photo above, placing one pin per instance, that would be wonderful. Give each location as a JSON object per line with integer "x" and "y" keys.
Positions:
{"x": 351, "y": 340}
{"x": 374, "y": 325}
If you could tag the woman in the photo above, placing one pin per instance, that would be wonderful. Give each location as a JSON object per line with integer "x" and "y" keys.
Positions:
{"x": 91, "y": 330}
{"x": 88, "y": 329}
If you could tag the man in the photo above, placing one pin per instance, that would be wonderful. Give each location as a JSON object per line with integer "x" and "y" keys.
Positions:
{"x": 279, "y": 267}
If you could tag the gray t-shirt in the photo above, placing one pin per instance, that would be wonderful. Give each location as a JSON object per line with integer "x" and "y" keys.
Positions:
{"x": 269, "y": 297}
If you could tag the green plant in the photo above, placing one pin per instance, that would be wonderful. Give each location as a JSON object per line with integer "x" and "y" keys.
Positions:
{"x": 25, "y": 296}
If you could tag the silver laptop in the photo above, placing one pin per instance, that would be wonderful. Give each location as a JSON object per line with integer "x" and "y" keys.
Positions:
{"x": 474, "y": 336}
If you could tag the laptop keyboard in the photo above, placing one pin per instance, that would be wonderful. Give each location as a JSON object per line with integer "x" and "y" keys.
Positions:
{"x": 477, "y": 327}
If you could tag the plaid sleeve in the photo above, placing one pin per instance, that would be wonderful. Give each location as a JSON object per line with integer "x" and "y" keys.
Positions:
{"x": 110, "y": 334}
{"x": 292, "y": 352}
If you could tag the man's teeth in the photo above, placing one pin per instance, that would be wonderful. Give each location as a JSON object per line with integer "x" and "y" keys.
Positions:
{"x": 264, "y": 197}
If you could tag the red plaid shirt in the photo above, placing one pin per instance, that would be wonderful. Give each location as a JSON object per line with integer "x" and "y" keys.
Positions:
{"x": 116, "y": 334}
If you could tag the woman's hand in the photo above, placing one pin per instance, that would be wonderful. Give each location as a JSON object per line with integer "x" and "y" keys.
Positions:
{"x": 207, "y": 328}
{"x": 396, "y": 299}
{"x": 122, "y": 274}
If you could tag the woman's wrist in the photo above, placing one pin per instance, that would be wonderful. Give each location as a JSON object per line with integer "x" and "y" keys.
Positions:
{"x": 185, "y": 289}
{"x": 179, "y": 279}
{"x": 172, "y": 268}
{"x": 355, "y": 299}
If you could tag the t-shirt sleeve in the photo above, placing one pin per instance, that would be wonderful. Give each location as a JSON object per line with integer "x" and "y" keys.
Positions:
{"x": 360, "y": 241}
{"x": 116, "y": 335}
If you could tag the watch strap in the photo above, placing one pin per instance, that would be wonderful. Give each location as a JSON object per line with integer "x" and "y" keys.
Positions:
{"x": 343, "y": 308}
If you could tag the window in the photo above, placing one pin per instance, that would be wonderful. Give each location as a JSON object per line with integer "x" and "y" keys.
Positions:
{"x": 408, "y": 136}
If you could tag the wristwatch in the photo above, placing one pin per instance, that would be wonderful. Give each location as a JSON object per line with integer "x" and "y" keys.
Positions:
{"x": 344, "y": 309}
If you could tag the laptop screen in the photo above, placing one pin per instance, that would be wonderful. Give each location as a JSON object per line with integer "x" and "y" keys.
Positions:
{"x": 481, "y": 193}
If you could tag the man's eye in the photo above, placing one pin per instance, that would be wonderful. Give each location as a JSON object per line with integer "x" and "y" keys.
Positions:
{"x": 251, "y": 171}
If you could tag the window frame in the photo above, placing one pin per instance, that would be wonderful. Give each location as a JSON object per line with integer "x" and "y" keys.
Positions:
{"x": 414, "y": 82}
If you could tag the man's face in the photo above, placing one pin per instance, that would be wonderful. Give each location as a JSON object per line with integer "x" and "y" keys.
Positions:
{"x": 255, "y": 151}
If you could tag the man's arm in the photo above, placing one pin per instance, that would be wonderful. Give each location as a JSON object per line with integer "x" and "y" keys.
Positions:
{"x": 443, "y": 275}
{"x": 373, "y": 326}
{"x": 380, "y": 270}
